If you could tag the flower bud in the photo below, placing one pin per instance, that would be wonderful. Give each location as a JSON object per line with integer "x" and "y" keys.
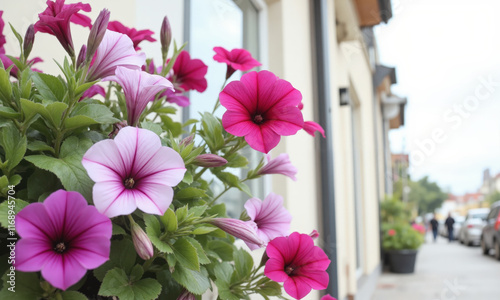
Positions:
{"x": 186, "y": 141}
{"x": 97, "y": 34}
{"x": 247, "y": 231}
{"x": 209, "y": 160}
{"x": 279, "y": 165}
{"x": 165, "y": 37}
{"x": 142, "y": 243}
{"x": 186, "y": 295}
{"x": 29, "y": 39}
{"x": 116, "y": 128}
{"x": 81, "y": 56}
{"x": 314, "y": 234}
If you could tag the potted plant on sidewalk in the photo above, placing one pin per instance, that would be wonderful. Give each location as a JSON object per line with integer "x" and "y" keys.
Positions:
{"x": 401, "y": 242}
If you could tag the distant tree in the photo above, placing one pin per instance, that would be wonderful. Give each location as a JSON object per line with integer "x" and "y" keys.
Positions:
{"x": 493, "y": 197}
{"x": 425, "y": 195}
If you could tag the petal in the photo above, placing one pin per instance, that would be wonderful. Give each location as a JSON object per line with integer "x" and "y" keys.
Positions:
{"x": 274, "y": 270}
{"x": 62, "y": 271}
{"x": 238, "y": 123}
{"x": 284, "y": 248}
{"x": 311, "y": 127}
{"x": 296, "y": 287}
{"x": 285, "y": 121}
{"x": 113, "y": 199}
{"x": 91, "y": 252}
{"x": 317, "y": 280}
{"x": 241, "y": 95}
{"x": 253, "y": 207}
{"x": 275, "y": 93}
{"x": 88, "y": 223}
{"x": 264, "y": 139}
{"x": 31, "y": 254}
{"x": 34, "y": 222}
{"x": 103, "y": 162}
{"x": 136, "y": 146}
{"x": 314, "y": 260}
{"x": 166, "y": 167}
{"x": 153, "y": 198}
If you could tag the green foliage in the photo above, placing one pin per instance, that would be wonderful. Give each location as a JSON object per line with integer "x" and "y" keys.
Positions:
{"x": 425, "y": 195}
{"x": 493, "y": 197}
{"x": 393, "y": 210}
{"x": 400, "y": 236}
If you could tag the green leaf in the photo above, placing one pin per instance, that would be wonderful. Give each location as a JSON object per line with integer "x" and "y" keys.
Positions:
{"x": 169, "y": 219}
{"x": 122, "y": 255}
{"x": 218, "y": 210}
{"x": 68, "y": 167}
{"x": 89, "y": 114}
{"x": 26, "y": 286}
{"x": 212, "y": 132}
{"x": 166, "y": 110}
{"x": 170, "y": 125}
{"x": 73, "y": 295}
{"x": 5, "y": 85}
{"x": 194, "y": 281}
{"x": 243, "y": 263}
{"x": 188, "y": 178}
{"x": 153, "y": 230}
{"x": 236, "y": 160}
{"x": 190, "y": 193}
{"x": 49, "y": 87}
{"x": 223, "y": 271}
{"x": 270, "y": 288}
{"x": 14, "y": 146}
{"x": 56, "y": 111}
{"x": 116, "y": 283}
{"x": 186, "y": 254}
{"x": 41, "y": 182}
{"x": 199, "y": 250}
{"x": 12, "y": 206}
{"x": 171, "y": 289}
{"x": 152, "y": 126}
{"x": 40, "y": 146}
{"x": 234, "y": 181}
{"x": 136, "y": 273}
{"x": 118, "y": 230}
{"x": 224, "y": 291}
{"x": 181, "y": 213}
{"x": 8, "y": 112}
{"x": 203, "y": 230}
{"x": 223, "y": 249}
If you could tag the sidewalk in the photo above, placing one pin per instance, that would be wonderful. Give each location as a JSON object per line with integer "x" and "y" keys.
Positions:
{"x": 444, "y": 272}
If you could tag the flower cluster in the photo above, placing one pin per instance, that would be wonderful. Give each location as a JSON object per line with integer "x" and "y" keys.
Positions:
{"x": 117, "y": 186}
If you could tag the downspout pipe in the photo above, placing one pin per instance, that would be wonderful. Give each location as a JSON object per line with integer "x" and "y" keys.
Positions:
{"x": 324, "y": 110}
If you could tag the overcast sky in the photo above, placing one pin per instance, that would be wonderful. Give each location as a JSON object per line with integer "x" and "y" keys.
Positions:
{"x": 447, "y": 59}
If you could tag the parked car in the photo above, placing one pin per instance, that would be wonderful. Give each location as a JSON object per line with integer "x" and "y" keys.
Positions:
{"x": 470, "y": 232}
{"x": 490, "y": 237}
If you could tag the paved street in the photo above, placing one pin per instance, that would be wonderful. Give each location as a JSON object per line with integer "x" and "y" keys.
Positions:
{"x": 444, "y": 272}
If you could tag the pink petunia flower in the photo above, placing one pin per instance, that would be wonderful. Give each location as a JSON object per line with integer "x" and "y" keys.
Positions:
{"x": 176, "y": 97}
{"x": 137, "y": 36}
{"x": 189, "y": 74}
{"x": 261, "y": 107}
{"x": 328, "y": 297}
{"x": 139, "y": 88}
{"x": 2, "y": 37}
{"x": 419, "y": 228}
{"x": 56, "y": 18}
{"x": 279, "y": 165}
{"x": 311, "y": 128}
{"x": 236, "y": 59}
{"x": 391, "y": 232}
{"x": 92, "y": 91}
{"x": 295, "y": 261}
{"x": 270, "y": 216}
{"x": 63, "y": 237}
{"x": 115, "y": 50}
{"x": 133, "y": 171}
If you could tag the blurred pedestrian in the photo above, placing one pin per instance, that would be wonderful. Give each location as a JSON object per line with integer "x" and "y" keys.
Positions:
{"x": 434, "y": 226}
{"x": 449, "y": 224}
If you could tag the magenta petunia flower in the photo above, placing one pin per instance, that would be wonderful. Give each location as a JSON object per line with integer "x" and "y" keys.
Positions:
{"x": 328, "y": 297}
{"x": 261, "y": 107}
{"x": 236, "y": 59}
{"x": 133, "y": 171}
{"x": 279, "y": 165}
{"x": 311, "y": 128}
{"x": 176, "y": 97}
{"x": 189, "y": 74}
{"x": 56, "y": 18}
{"x": 295, "y": 261}
{"x": 63, "y": 237}
{"x": 139, "y": 88}
{"x": 115, "y": 50}
{"x": 137, "y": 36}
{"x": 92, "y": 91}
{"x": 2, "y": 37}
{"x": 270, "y": 216}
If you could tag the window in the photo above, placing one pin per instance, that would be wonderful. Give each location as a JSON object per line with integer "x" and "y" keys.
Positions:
{"x": 229, "y": 24}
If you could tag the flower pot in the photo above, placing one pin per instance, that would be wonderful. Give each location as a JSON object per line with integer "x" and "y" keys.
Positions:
{"x": 402, "y": 261}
